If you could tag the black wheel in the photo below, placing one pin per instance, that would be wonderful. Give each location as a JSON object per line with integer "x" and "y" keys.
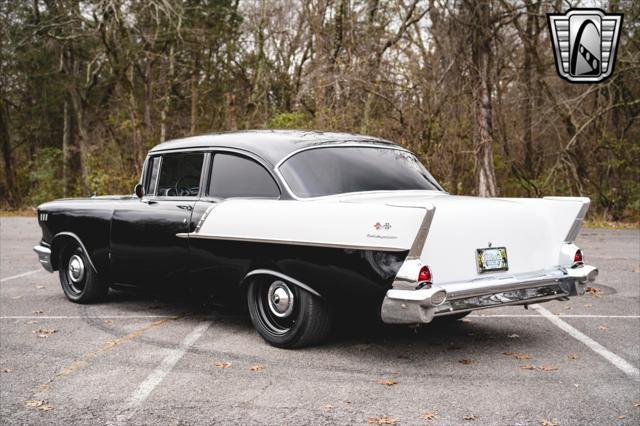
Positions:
{"x": 287, "y": 316}
{"x": 80, "y": 283}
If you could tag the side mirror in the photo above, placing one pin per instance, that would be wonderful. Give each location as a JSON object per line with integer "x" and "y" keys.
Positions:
{"x": 139, "y": 190}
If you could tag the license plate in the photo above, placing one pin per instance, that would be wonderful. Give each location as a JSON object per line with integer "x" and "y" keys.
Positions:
{"x": 492, "y": 259}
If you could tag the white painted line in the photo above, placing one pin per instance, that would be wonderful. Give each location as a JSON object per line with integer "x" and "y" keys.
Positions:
{"x": 614, "y": 359}
{"x": 560, "y": 315}
{"x": 24, "y": 274}
{"x": 144, "y": 390}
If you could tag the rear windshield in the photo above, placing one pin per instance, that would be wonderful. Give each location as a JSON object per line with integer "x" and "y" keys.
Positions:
{"x": 337, "y": 170}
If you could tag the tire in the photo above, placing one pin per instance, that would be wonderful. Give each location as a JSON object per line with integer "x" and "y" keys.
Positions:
{"x": 287, "y": 316}
{"x": 80, "y": 283}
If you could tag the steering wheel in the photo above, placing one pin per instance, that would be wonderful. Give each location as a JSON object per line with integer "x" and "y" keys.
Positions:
{"x": 184, "y": 191}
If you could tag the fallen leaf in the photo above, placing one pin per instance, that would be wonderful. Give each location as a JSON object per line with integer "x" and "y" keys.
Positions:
{"x": 388, "y": 382}
{"x": 328, "y": 407}
{"x": 7, "y": 370}
{"x": 523, "y": 356}
{"x": 40, "y": 404}
{"x": 224, "y": 365}
{"x": 39, "y": 287}
{"x": 528, "y": 367}
{"x": 382, "y": 420}
{"x": 430, "y": 416}
{"x": 33, "y": 322}
{"x": 572, "y": 356}
{"x": 603, "y": 327}
{"x": 621, "y": 417}
{"x": 466, "y": 361}
{"x": 108, "y": 322}
{"x": 553, "y": 422}
{"x": 470, "y": 417}
{"x": 509, "y": 353}
{"x": 257, "y": 367}
{"x": 595, "y": 292}
{"x": 38, "y": 312}
{"x": 513, "y": 336}
{"x": 636, "y": 404}
{"x": 44, "y": 332}
{"x": 547, "y": 368}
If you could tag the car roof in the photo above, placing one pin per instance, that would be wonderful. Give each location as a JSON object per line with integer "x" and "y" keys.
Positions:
{"x": 271, "y": 145}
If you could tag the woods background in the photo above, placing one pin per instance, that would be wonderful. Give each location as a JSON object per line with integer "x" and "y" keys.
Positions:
{"x": 470, "y": 85}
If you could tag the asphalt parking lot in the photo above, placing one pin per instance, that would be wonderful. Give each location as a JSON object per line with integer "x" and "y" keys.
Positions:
{"x": 144, "y": 358}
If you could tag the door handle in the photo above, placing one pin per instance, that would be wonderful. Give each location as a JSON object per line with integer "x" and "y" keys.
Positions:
{"x": 147, "y": 201}
{"x": 185, "y": 207}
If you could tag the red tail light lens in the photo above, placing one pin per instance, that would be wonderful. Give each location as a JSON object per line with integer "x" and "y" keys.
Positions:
{"x": 577, "y": 258}
{"x": 424, "y": 274}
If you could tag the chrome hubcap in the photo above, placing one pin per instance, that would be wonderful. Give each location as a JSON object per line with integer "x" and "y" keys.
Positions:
{"x": 76, "y": 268}
{"x": 280, "y": 299}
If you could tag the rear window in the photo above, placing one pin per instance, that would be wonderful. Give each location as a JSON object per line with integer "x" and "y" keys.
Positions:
{"x": 337, "y": 170}
{"x": 236, "y": 176}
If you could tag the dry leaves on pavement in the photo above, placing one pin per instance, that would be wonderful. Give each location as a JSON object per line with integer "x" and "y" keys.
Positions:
{"x": 603, "y": 327}
{"x": 387, "y": 382}
{"x": 592, "y": 291}
{"x": 572, "y": 356}
{"x": 547, "y": 368}
{"x": 470, "y": 417}
{"x": 382, "y": 420}
{"x": 528, "y": 367}
{"x": 546, "y": 422}
{"x": 7, "y": 370}
{"x": 40, "y": 404}
{"x": 466, "y": 361}
{"x": 518, "y": 355}
{"x": 430, "y": 415}
{"x": 636, "y": 404}
{"x": 44, "y": 332}
{"x": 38, "y": 312}
{"x": 257, "y": 367}
{"x": 224, "y": 365}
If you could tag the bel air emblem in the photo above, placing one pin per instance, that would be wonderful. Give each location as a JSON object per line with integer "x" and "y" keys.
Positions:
{"x": 585, "y": 42}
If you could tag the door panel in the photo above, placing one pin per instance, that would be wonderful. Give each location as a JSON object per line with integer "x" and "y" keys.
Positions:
{"x": 144, "y": 246}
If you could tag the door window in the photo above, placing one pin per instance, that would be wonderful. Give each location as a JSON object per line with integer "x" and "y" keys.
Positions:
{"x": 180, "y": 175}
{"x": 236, "y": 176}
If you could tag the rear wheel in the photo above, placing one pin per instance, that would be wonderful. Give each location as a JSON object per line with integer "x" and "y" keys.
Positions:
{"x": 285, "y": 315}
{"x": 80, "y": 283}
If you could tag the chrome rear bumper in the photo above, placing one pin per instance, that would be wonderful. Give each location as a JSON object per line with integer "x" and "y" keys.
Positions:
{"x": 44, "y": 256}
{"x": 417, "y": 306}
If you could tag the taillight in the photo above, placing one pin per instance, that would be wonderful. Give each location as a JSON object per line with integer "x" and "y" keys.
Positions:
{"x": 424, "y": 275}
{"x": 577, "y": 258}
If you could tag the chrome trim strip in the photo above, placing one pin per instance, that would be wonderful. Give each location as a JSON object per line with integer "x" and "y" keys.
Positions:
{"x": 74, "y": 236}
{"x": 282, "y": 276}
{"x": 44, "y": 257}
{"x": 204, "y": 216}
{"x": 295, "y": 243}
{"x": 577, "y": 224}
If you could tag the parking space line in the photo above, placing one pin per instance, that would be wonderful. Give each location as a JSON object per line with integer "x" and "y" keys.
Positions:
{"x": 149, "y": 384}
{"x": 63, "y": 317}
{"x": 628, "y": 369}
{"x": 24, "y": 274}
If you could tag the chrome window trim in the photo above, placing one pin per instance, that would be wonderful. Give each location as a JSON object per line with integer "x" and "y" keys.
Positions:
{"x": 277, "y": 171}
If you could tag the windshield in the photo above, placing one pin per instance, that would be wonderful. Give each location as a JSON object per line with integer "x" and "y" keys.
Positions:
{"x": 337, "y": 170}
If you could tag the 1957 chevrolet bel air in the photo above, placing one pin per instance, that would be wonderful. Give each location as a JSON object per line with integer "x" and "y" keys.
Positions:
{"x": 300, "y": 222}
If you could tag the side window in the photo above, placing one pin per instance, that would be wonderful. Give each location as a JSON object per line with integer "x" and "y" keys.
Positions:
{"x": 235, "y": 176}
{"x": 153, "y": 165}
{"x": 180, "y": 175}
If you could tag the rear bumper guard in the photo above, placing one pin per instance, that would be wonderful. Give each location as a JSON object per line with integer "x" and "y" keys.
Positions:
{"x": 417, "y": 306}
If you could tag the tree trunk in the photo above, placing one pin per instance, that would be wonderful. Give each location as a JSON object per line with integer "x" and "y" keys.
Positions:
{"x": 166, "y": 101}
{"x": 194, "y": 98}
{"x": 481, "y": 55}
{"x": 67, "y": 154}
{"x": 230, "y": 110}
{"x": 11, "y": 193}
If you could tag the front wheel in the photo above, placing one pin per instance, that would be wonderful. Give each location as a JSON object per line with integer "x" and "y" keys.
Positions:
{"x": 80, "y": 283}
{"x": 285, "y": 315}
